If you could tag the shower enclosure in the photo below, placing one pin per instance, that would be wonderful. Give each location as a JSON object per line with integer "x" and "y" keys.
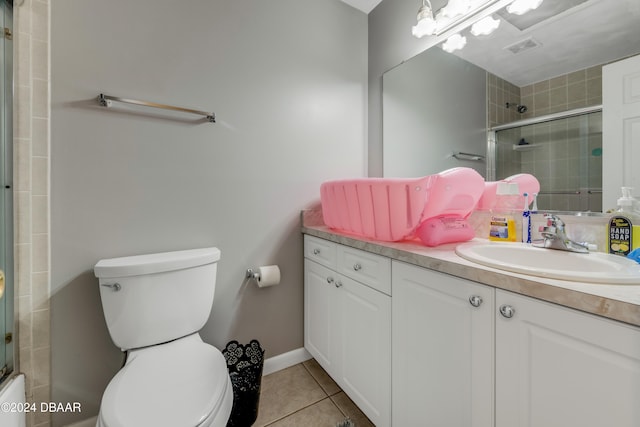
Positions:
{"x": 6, "y": 189}
{"x": 562, "y": 150}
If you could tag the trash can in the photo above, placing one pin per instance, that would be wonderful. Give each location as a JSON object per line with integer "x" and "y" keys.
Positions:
{"x": 244, "y": 363}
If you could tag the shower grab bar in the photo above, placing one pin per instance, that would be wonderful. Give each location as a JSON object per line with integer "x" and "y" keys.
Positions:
{"x": 106, "y": 100}
{"x": 468, "y": 156}
{"x": 574, "y": 192}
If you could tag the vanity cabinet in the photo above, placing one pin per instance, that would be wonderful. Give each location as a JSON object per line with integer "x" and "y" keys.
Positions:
{"x": 450, "y": 352}
{"x": 347, "y": 320}
{"x": 556, "y": 366}
{"x": 443, "y": 349}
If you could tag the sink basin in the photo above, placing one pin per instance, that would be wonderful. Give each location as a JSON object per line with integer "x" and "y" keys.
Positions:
{"x": 594, "y": 267}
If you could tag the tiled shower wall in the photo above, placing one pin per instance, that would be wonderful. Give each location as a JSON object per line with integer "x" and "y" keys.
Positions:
{"x": 31, "y": 199}
{"x": 574, "y": 90}
{"x": 566, "y": 160}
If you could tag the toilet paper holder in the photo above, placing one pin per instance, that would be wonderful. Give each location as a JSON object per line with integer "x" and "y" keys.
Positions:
{"x": 252, "y": 274}
{"x": 264, "y": 276}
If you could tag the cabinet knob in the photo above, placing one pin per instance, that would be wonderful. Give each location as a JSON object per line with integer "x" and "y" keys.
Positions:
{"x": 329, "y": 279}
{"x": 316, "y": 251}
{"x": 475, "y": 300}
{"x": 507, "y": 311}
{"x": 357, "y": 267}
{"x": 338, "y": 284}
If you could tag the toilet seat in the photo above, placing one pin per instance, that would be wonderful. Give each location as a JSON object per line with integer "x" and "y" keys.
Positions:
{"x": 183, "y": 383}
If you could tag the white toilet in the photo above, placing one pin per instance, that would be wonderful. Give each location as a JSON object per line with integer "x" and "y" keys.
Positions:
{"x": 154, "y": 306}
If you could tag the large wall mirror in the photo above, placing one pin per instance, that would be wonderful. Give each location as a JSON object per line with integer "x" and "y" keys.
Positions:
{"x": 526, "y": 98}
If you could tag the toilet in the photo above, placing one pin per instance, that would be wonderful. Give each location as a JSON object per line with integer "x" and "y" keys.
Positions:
{"x": 154, "y": 305}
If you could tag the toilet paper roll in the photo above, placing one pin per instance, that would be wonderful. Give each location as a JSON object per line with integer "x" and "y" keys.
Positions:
{"x": 269, "y": 276}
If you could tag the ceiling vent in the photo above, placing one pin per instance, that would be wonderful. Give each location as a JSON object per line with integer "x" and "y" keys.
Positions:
{"x": 523, "y": 45}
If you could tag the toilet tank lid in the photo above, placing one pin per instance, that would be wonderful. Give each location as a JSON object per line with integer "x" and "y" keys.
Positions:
{"x": 155, "y": 263}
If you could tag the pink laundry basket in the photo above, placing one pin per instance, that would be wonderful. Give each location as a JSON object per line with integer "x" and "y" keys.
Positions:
{"x": 390, "y": 209}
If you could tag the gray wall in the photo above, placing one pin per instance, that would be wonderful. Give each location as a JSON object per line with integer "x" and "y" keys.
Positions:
{"x": 288, "y": 82}
{"x": 434, "y": 105}
{"x": 390, "y": 43}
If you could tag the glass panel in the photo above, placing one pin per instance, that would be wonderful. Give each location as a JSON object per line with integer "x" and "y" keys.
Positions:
{"x": 6, "y": 183}
{"x": 564, "y": 154}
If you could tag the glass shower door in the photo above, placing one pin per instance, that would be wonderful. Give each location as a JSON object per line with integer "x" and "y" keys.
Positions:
{"x": 564, "y": 153}
{"x": 6, "y": 191}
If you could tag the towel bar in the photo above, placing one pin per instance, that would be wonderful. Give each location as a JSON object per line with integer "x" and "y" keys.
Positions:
{"x": 106, "y": 100}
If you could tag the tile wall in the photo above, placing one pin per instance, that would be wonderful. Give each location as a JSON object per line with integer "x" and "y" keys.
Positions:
{"x": 31, "y": 198}
{"x": 574, "y": 90}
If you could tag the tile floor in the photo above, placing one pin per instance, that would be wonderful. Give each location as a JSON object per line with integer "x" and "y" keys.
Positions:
{"x": 305, "y": 396}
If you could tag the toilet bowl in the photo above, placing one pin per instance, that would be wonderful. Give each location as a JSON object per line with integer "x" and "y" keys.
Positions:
{"x": 154, "y": 306}
{"x": 181, "y": 383}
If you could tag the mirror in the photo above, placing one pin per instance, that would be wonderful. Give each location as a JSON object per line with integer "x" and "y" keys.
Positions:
{"x": 437, "y": 104}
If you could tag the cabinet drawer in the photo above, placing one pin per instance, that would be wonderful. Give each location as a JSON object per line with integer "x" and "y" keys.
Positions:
{"x": 320, "y": 250}
{"x": 371, "y": 269}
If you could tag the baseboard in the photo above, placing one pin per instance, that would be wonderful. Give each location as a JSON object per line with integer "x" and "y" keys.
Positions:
{"x": 285, "y": 360}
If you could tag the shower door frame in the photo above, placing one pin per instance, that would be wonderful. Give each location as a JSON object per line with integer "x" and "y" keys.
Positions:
{"x": 6, "y": 190}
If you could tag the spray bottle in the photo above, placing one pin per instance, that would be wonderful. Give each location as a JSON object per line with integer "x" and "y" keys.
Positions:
{"x": 624, "y": 226}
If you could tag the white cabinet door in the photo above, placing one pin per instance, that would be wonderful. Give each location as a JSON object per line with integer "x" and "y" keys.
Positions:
{"x": 443, "y": 348}
{"x": 347, "y": 329}
{"x": 365, "y": 348}
{"x": 558, "y": 367}
{"x": 319, "y": 336}
{"x": 620, "y": 128}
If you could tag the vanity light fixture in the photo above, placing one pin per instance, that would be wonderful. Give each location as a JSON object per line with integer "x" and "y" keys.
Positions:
{"x": 520, "y": 7}
{"x": 426, "y": 25}
{"x": 454, "y": 42}
{"x": 447, "y": 17}
{"x": 485, "y": 26}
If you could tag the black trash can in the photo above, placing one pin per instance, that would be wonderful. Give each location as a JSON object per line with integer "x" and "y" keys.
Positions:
{"x": 244, "y": 363}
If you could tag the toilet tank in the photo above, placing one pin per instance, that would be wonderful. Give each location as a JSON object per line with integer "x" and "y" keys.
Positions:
{"x": 155, "y": 298}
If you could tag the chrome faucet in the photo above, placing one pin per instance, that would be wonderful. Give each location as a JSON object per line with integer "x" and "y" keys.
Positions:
{"x": 554, "y": 236}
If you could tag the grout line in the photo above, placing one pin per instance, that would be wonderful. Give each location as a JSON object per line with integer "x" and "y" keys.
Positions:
{"x": 318, "y": 382}
{"x": 327, "y": 396}
{"x": 330, "y": 396}
{"x": 303, "y": 408}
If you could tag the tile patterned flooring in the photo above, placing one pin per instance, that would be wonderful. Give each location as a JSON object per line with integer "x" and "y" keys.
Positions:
{"x": 305, "y": 396}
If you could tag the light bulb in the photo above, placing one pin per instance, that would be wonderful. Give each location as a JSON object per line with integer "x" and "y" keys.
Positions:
{"x": 456, "y": 8}
{"x": 454, "y": 42}
{"x": 485, "y": 26}
{"x": 520, "y": 7}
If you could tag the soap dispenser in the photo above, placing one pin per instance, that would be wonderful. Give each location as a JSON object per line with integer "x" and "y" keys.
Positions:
{"x": 624, "y": 226}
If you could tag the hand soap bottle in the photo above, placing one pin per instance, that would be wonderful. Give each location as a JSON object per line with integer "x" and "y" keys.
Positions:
{"x": 503, "y": 225}
{"x": 624, "y": 226}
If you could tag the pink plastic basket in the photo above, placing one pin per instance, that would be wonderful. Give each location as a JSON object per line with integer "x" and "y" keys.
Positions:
{"x": 526, "y": 184}
{"x": 390, "y": 209}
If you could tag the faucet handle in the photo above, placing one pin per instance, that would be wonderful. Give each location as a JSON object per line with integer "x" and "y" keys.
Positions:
{"x": 554, "y": 220}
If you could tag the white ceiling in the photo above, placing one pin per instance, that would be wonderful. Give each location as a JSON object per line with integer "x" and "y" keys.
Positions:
{"x": 592, "y": 33}
{"x": 364, "y": 5}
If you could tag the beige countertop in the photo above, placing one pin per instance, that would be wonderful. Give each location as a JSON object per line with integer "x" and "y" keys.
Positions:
{"x": 617, "y": 302}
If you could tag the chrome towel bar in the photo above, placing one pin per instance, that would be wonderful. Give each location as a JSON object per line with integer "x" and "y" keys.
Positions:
{"x": 106, "y": 100}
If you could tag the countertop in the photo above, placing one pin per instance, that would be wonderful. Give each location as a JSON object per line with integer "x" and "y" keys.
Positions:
{"x": 616, "y": 302}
